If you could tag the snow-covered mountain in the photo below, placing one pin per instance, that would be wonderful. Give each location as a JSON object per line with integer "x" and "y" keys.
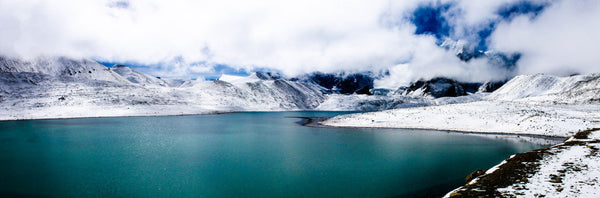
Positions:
{"x": 255, "y": 93}
{"x": 61, "y": 67}
{"x": 343, "y": 83}
{"x": 532, "y": 104}
{"x": 137, "y": 77}
{"x": 440, "y": 87}
{"x": 463, "y": 50}
{"x": 444, "y": 87}
{"x": 362, "y": 102}
{"x": 63, "y": 87}
{"x": 551, "y": 89}
{"x": 466, "y": 51}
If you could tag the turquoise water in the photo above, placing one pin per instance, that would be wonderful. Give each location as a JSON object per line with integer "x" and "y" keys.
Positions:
{"x": 235, "y": 155}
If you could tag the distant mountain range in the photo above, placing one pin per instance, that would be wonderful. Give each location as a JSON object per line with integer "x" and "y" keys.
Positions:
{"x": 60, "y": 86}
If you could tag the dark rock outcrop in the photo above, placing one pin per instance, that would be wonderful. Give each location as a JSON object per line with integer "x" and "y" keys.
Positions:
{"x": 341, "y": 83}
{"x": 441, "y": 87}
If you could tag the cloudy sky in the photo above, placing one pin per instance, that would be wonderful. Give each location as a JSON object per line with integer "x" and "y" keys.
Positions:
{"x": 411, "y": 39}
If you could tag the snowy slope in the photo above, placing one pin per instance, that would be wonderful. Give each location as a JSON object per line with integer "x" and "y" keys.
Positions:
{"x": 569, "y": 169}
{"x": 137, "y": 77}
{"x": 482, "y": 116}
{"x": 40, "y": 86}
{"x": 577, "y": 166}
{"x": 61, "y": 67}
{"x": 43, "y": 84}
{"x": 529, "y": 104}
{"x": 63, "y": 88}
{"x": 551, "y": 89}
{"x": 441, "y": 87}
{"x": 176, "y": 82}
{"x": 341, "y": 102}
{"x": 253, "y": 93}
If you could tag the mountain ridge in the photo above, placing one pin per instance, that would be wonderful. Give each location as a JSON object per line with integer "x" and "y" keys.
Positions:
{"x": 59, "y": 85}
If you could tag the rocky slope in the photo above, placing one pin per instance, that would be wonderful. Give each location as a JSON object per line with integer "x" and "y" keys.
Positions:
{"x": 570, "y": 169}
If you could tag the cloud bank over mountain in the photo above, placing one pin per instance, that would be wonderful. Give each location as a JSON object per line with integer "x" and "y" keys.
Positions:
{"x": 189, "y": 38}
{"x": 561, "y": 40}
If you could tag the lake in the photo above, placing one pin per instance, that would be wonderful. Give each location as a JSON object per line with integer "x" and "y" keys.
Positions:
{"x": 253, "y": 154}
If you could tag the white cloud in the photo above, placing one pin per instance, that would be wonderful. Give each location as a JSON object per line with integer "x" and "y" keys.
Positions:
{"x": 293, "y": 36}
{"x": 561, "y": 40}
{"x": 431, "y": 61}
{"x": 476, "y": 12}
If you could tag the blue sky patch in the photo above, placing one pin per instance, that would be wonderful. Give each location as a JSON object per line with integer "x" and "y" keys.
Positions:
{"x": 429, "y": 19}
{"x": 521, "y": 8}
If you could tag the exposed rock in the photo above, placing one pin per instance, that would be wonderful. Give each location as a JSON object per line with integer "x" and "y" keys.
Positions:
{"x": 490, "y": 86}
{"x": 474, "y": 175}
{"x": 341, "y": 83}
{"x": 441, "y": 87}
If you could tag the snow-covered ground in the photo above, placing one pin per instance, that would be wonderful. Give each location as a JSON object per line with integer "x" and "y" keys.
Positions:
{"x": 482, "y": 116}
{"x": 340, "y": 102}
{"x": 540, "y": 88}
{"x": 578, "y": 168}
{"x": 529, "y": 104}
{"x": 570, "y": 169}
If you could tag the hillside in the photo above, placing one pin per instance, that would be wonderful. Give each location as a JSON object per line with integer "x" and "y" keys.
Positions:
{"x": 578, "y": 89}
{"x": 61, "y": 68}
{"x": 60, "y": 87}
{"x": 137, "y": 77}
{"x": 528, "y": 104}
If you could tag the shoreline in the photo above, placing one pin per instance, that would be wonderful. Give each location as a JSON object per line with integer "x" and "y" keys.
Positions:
{"x": 317, "y": 122}
{"x": 482, "y": 116}
{"x": 305, "y": 121}
{"x": 311, "y": 121}
{"x": 560, "y": 170}
{"x": 113, "y": 116}
{"x": 208, "y": 112}
{"x": 212, "y": 112}
{"x": 513, "y": 176}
